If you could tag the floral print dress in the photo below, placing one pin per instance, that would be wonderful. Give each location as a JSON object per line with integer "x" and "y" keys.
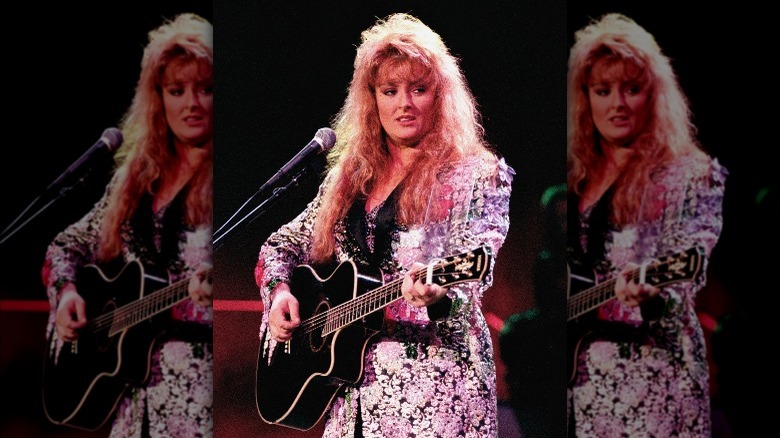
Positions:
{"x": 428, "y": 373}
{"x": 646, "y": 374}
{"x": 176, "y": 400}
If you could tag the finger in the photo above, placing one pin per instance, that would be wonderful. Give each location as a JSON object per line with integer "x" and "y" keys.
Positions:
{"x": 81, "y": 315}
{"x": 287, "y": 326}
{"x": 295, "y": 317}
{"x": 281, "y": 335}
{"x": 66, "y": 334}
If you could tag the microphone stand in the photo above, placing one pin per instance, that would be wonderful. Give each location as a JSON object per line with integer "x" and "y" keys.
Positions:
{"x": 61, "y": 193}
{"x": 260, "y": 209}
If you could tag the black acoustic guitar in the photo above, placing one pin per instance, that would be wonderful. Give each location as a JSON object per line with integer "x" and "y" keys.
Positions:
{"x": 298, "y": 379}
{"x": 581, "y": 303}
{"x": 84, "y": 381}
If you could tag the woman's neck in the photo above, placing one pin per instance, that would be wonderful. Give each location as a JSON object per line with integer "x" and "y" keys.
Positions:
{"x": 401, "y": 160}
{"x": 178, "y": 173}
{"x": 605, "y": 174}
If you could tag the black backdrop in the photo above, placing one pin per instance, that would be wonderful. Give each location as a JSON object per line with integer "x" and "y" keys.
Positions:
{"x": 283, "y": 70}
{"x": 70, "y": 73}
{"x": 721, "y": 54}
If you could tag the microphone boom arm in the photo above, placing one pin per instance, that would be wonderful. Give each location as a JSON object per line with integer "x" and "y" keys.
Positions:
{"x": 259, "y": 210}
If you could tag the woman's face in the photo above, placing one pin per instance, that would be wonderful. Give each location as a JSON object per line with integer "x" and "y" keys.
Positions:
{"x": 189, "y": 101}
{"x": 404, "y": 98}
{"x": 618, "y": 105}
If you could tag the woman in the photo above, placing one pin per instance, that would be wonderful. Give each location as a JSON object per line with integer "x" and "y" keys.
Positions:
{"x": 640, "y": 188}
{"x": 156, "y": 210}
{"x": 410, "y": 180}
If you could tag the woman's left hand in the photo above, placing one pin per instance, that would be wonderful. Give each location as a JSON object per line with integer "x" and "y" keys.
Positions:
{"x": 200, "y": 285}
{"x": 632, "y": 293}
{"x": 416, "y": 292}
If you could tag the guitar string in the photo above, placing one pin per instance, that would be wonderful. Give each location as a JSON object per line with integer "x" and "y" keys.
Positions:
{"x": 583, "y": 299}
{"x": 581, "y": 303}
{"x": 127, "y": 315}
{"x": 373, "y": 301}
{"x": 342, "y": 311}
{"x": 321, "y": 319}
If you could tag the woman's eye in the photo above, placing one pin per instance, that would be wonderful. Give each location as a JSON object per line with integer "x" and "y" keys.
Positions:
{"x": 175, "y": 91}
{"x": 207, "y": 90}
{"x": 601, "y": 91}
{"x": 419, "y": 90}
{"x": 389, "y": 92}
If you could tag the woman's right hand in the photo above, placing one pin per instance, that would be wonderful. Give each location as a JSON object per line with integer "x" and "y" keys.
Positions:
{"x": 631, "y": 292}
{"x": 71, "y": 313}
{"x": 284, "y": 316}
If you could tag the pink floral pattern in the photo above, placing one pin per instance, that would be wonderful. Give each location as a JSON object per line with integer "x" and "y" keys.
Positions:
{"x": 177, "y": 399}
{"x": 656, "y": 387}
{"x": 422, "y": 377}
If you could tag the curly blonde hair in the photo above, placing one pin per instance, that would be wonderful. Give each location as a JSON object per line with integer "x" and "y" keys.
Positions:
{"x": 616, "y": 40}
{"x": 361, "y": 154}
{"x": 147, "y": 147}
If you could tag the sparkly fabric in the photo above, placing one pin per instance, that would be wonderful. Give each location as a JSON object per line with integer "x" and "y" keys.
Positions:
{"x": 177, "y": 399}
{"x": 655, "y": 384}
{"x": 422, "y": 377}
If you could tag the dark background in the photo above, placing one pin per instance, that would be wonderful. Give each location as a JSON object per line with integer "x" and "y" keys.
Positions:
{"x": 282, "y": 73}
{"x": 70, "y": 74}
{"x": 720, "y": 53}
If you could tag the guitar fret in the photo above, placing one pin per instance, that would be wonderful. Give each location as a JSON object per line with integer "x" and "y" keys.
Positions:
{"x": 463, "y": 269}
{"x": 684, "y": 266}
{"x": 148, "y": 306}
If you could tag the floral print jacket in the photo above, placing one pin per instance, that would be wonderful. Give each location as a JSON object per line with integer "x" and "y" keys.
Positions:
{"x": 176, "y": 400}
{"x": 424, "y": 375}
{"x": 646, "y": 373}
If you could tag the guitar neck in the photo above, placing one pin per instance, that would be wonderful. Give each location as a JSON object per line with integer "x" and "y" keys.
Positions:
{"x": 591, "y": 298}
{"x": 470, "y": 266}
{"x": 146, "y": 307}
{"x": 355, "y": 309}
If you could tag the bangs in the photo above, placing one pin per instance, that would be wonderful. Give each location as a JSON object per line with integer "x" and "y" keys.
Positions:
{"x": 614, "y": 63}
{"x": 403, "y": 70}
{"x": 393, "y": 63}
{"x": 187, "y": 69}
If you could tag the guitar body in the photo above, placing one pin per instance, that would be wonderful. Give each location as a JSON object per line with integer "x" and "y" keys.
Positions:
{"x": 297, "y": 380}
{"x": 295, "y": 387}
{"x": 86, "y": 379}
{"x": 578, "y": 330}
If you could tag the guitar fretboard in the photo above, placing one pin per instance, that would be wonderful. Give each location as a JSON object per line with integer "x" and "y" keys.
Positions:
{"x": 592, "y": 298}
{"x": 144, "y": 308}
{"x": 351, "y": 311}
{"x": 669, "y": 269}
{"x": 467, "y": 267}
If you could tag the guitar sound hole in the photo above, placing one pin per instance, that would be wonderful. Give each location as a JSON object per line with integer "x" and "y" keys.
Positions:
{"x": 316, "y": 340}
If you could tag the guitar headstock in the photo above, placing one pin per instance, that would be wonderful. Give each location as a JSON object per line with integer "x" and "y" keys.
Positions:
{"x": 682, "y": 266}
{"x": 468, "y": 266}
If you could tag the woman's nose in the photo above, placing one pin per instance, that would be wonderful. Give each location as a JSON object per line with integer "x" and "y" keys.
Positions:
{"x": 193, "y": 100}
{"x": 405, "y": 100}
{"x": 618, "y": 99}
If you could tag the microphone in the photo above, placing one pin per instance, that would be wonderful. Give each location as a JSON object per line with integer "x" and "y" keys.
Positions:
{"x": 323, "y": 140}
{"x": 108, "y": 143}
